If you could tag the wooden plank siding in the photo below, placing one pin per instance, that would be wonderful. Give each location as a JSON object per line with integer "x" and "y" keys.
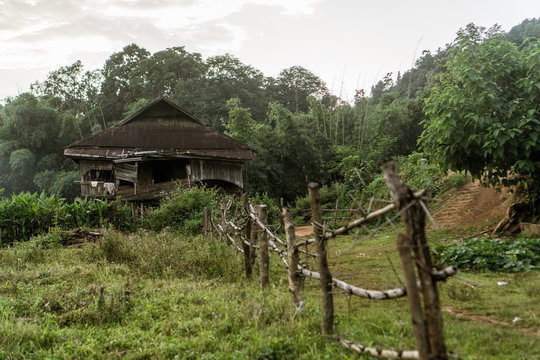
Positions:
{"x": 217, "y": 170}
{"x": 127, "y": 172}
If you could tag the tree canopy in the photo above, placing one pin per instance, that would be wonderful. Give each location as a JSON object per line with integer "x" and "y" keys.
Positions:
{"x": 484, "y": 114}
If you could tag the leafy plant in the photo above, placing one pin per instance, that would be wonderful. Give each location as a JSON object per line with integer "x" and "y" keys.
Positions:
{"x": 183, "y": 211}
{"x": 484, "y": 113}
{"x": 484, "y": 254}
{"x": 25, "y": 215}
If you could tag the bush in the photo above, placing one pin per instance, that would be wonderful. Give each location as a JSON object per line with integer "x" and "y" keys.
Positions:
{"x": 484, "y": 254}
{"x": 419, "y": 176}
{"x": 456, "y": 180}
{"x": 183, "y": 211}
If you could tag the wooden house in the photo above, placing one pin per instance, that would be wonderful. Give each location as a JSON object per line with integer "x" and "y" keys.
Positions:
{"x": 151, "y": 152}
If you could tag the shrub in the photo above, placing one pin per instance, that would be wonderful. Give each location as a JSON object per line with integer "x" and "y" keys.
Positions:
{"x": 25, "y": 215}
{"x": 484, "y": 254}
{"x": 456, "y": 180}
{"x": 419, "y": 176}
{"x": 183, "y": 211}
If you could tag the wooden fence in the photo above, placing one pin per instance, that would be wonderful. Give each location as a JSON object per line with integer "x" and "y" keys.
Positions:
{"x": 249, "y": 232}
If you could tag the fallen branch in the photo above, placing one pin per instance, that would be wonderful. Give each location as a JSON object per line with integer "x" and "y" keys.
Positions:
{"x": 387, "y": 354}
{"x": 445, "y": 273}
{"x": 363, "y": 293}
{"x": 378, "y": 294}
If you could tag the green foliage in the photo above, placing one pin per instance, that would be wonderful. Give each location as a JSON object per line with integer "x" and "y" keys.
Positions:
{"x": 415, "y": 171}
{"x": 183, "y": 211}
{"x": 30, "y": 148}
{"x": 529, "y": 28}
{"x": 484, "y": 113}
{"x": 456, "y": 180}
{"x": 417, "y": 176}
{"x": 241, "y": 125}
{"x": 294, "y": 85}
{"x": 273, "y": 208}
{"x": 482, "y": 254}
{"x": 26, "y": 215}
{"x": 97, "y": 213}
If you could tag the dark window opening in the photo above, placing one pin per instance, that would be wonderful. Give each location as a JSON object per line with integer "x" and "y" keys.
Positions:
{"x": 125, "y": 183}
{"x": 168, "y": 170}
{"x": 99, "y": 175}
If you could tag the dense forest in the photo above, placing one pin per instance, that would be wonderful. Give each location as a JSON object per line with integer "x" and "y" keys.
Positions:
{"x": 473, "y": 105}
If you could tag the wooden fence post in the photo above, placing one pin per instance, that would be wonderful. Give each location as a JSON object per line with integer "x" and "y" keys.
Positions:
{"x": 263, "y": 249}
{"x": 296, "y": 281}
{"x": 223, "y": 221}
{"x": 414, "y": 218}
{"x": 322, "y": 261}
{"x": 413, "y": 296}
{"x": 205, "y": 222}
{"x": 247, "y": 248}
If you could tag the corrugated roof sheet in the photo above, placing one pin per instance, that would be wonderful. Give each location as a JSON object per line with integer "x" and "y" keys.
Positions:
{"x": 165, "y": 128}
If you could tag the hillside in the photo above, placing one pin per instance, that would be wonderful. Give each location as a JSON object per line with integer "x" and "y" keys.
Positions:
{"x": 472, "y": 205}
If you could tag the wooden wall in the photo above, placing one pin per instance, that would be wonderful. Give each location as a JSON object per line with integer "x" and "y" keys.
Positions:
{"x": 217, "y": 170}
{"x": 148, "y": 174}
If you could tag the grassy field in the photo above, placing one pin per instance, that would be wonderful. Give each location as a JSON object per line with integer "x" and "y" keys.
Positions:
{"x": 161, "y": 296}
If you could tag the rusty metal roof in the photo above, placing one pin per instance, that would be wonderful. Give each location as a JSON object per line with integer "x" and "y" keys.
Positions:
{"x": 161, "y": 127}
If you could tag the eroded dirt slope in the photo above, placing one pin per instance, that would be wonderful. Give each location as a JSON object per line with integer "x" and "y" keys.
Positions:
{"x": 472, "y": 205}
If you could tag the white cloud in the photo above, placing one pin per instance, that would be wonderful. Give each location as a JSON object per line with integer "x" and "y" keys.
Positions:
{"x": 38, "y": 34}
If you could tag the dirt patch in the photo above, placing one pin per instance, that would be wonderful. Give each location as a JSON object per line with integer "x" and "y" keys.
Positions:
{"x": 304, "y": 231}
{"x": 472, "y": 205}
{"x": 488, "y": 320}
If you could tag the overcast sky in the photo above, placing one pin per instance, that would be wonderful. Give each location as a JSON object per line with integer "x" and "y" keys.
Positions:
{"x": 348, "y": 43}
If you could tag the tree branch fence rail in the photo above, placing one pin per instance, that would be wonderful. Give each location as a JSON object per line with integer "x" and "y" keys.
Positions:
{"x": 249, "y": 233}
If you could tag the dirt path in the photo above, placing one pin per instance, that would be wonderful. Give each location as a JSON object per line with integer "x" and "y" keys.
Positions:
{"x": 304, "y": 231}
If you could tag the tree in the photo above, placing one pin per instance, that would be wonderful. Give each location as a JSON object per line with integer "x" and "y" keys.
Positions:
{"x": 241, "y": 125}
{"x": 32, "y": 135}
{"x": 226, "y": 77}
{"x": 71, "y": 90}
{"x": 529, "y": 28}
{"x": 484, "y": 115}
{"x": 160, "y": 74}
{"x": 116, "y": 89}
{"x": 293, "y": 86}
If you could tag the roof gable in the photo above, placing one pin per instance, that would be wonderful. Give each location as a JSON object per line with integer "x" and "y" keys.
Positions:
{"x": 164, "y": 127}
